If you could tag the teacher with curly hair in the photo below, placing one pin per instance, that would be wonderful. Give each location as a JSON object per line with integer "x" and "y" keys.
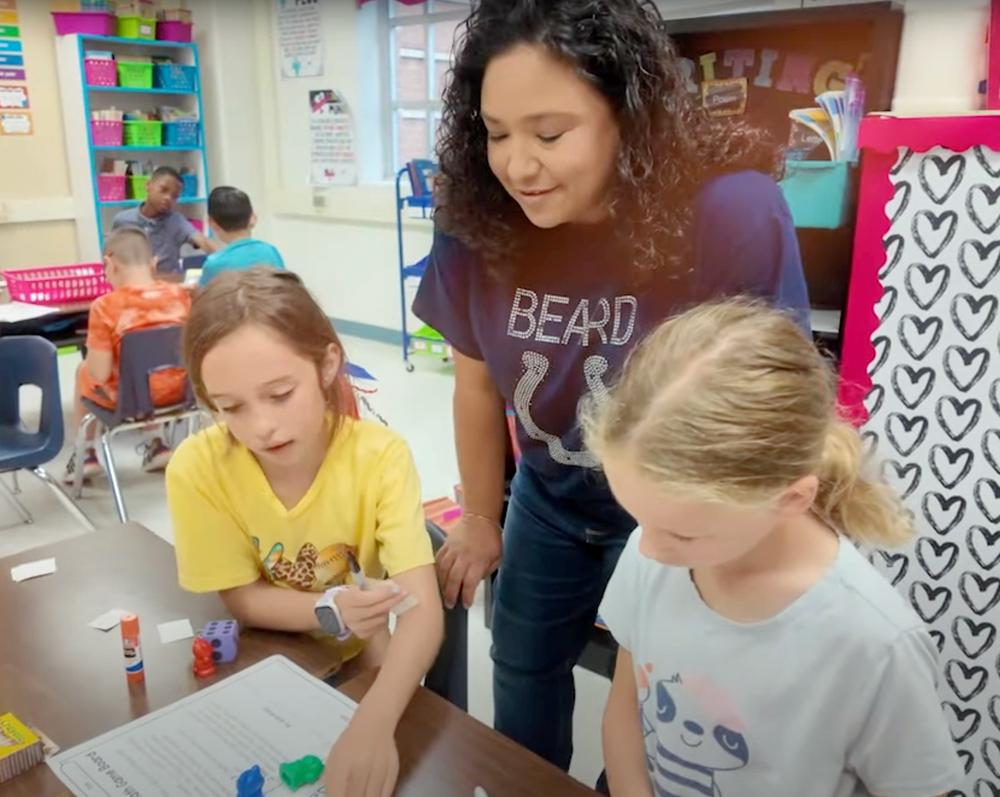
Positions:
{"x": 584, "y": 196}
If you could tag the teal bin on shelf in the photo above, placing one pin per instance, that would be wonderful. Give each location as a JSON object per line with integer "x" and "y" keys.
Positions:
{"x": 818, "y": 192}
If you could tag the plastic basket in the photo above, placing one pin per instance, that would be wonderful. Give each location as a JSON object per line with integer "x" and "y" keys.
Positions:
{"x": 136, "y": 28}
{"x": 135, "y": 75}
{"x": 198, "y": 224}
{"x": 111, "y": 187}
{"x": 173, "y": 31}
{"x": 818, "y": 193}
{"x": 100, "y": 72}
{"x": 190, "y": 188}
{"x": 137, "y": 186}
{"x": 143, "y": 134}
{"x": 181, "y": 134}
{"x": 54, "y": 285}
{"x": 105, "y": 133}
{"x": 175, "y": 77}
{"x": 86, "y": 22}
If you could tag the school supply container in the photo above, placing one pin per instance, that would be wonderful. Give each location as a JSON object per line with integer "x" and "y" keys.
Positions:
{"x": 817, "y": 193}
{"x": 135, "y": 75}
{"x": 173, "y": 31}
{"x": 54, "y": 285}
{"x": 136, "y": 28}
{"x": 185, "y": 133}
{"x": 198, "y": 224}
{"x": 137, "y": 186}
{"x": 175, "y": 77}
{"x": 21, "y": 749}
{"x": 86, "y": 22}
{"x": 100, "y": 71}
{"x": 190, "y": 188}
{"x": 106, "y": 132}
{"x": 143, "y": 133}
{"x": 111, "y": 187}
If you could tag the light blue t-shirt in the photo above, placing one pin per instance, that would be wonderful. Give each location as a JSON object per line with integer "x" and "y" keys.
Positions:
{"x": 241, "y": 254}
{"x": 833, "y": 697}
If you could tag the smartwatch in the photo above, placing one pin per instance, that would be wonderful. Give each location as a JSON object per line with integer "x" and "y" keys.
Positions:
{"x": 328, "y": 614}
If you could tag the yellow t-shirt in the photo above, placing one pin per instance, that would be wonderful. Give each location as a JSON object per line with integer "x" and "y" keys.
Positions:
{"x": 230, "y": 529}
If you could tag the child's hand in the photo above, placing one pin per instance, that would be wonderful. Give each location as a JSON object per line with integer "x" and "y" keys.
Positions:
{"x": 363, "y": 763}
{"x": 366, "y": 612}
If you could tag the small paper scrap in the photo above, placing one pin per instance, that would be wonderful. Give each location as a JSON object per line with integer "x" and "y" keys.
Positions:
{"x": 43, "y": 567}
{"x": 175, "y": 631}
{"x": 108, "y": 620}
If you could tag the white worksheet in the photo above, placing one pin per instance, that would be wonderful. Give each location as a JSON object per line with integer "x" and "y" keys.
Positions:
{"x": 266, "y": 715}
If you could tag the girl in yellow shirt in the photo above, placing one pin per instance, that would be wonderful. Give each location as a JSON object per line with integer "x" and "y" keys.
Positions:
{"x": 270, "y": 506}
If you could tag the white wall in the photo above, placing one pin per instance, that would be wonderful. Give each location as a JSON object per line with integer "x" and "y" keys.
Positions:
{"x": 345, "y": 248}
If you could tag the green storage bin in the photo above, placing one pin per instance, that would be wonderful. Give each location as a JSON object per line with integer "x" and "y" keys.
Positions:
{"x": 136, "y": 28}
{"x": 818, "y": 193}
{"x": 137, "y": 186}
{"x": 135, "y": 75}
{"x": 143, "y": 134}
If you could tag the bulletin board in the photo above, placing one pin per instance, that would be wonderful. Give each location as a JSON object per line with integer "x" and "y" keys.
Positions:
{"x": 788, "y": 57}
{"x": 920, "y": 371}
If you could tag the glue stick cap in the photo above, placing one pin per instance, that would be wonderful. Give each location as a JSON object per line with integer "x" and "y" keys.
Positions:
{"x": 130, "y": 625}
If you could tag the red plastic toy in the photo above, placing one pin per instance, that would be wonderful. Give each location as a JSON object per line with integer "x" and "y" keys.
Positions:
{"x": 203, "y": 664}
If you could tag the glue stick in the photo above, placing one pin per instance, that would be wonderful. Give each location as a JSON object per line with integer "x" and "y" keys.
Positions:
{"x": 133, "y": 651}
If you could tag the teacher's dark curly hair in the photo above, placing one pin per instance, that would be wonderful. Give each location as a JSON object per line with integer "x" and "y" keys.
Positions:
{"x": 669, "y": 145}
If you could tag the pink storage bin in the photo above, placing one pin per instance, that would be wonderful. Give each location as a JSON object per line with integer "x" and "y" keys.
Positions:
{"x": 170, "y": 31}
{"x": 106, "y": 132}
{"x": 100, "y": 72}
{"x": 111, "y": 187}
{"x": 198, "y": 224}
{"x": 86, "y": 22}
{"x": 55, "y": 285}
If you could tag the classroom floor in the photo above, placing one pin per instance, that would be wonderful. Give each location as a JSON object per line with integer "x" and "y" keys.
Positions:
{"x": 418, "y": 405}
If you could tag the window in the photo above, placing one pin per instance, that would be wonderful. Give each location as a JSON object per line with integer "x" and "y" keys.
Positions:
{"x": 417, "y": 56}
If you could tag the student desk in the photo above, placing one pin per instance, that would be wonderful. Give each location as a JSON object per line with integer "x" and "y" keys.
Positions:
{"x": 68, "y": 680}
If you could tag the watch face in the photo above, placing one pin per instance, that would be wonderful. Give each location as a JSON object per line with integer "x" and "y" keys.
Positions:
{"x": 328, "y": 620}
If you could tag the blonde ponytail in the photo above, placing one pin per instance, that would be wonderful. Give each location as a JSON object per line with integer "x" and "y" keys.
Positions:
{"x": 851, "y": 501}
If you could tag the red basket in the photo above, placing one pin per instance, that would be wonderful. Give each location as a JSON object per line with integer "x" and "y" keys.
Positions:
{"x": 100, "y": 71}
{"x": 106, "y": 132}
{"x": 111, "y": 187}
{"x": 54, "y": 285}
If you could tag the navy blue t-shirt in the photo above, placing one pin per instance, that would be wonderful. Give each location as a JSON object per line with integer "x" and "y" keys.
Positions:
{"x": 564, "y": 327}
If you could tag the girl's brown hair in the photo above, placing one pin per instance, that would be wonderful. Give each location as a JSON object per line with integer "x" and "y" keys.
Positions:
{"x": 273, "y": 299}
{"x": 730, "y": 402}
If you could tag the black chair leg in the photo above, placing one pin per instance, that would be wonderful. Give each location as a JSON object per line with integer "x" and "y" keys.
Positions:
{"x": 449, "y": 676}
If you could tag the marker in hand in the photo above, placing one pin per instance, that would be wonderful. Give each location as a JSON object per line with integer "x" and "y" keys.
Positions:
{"x": 409, "y": 602}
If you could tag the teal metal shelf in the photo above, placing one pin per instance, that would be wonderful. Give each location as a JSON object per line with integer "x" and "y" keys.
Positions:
{"x": 137, "y": 42}
{"x": 147, "y": 149}
{"x": 125, "y": 203}
{"x": 123, "y": 89}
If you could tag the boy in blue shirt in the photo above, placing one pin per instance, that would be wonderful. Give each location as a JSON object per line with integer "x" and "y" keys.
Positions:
{"x": 167, "y": 229}
{"x": 232, "y": 219}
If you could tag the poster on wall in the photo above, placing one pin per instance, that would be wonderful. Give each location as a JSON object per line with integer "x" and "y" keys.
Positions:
{"x": 299, "y": 35}
{"x": 13, "y": 97}
{"x": 332, "y": 159}
{"x": 16, "y": 124}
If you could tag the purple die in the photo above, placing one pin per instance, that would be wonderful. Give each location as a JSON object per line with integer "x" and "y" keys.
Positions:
{"x": 225, "y": 637}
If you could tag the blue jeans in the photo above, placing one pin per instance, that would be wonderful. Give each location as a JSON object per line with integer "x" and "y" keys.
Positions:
{"x": 547, "y": 594}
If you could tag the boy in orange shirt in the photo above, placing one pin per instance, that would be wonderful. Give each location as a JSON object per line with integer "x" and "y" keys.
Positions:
{"x": 137, "y": 301}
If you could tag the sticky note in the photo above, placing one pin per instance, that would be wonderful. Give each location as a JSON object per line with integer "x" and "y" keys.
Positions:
{"x": 43, "y": 567}
{"x": 175, "y": 631}
{"x": 108, "y": 620}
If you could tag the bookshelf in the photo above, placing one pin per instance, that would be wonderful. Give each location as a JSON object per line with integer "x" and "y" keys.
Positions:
{"x": 79, "y": 99}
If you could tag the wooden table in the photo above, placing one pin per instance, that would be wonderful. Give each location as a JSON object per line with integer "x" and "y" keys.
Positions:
{"x": 67, "y": 679}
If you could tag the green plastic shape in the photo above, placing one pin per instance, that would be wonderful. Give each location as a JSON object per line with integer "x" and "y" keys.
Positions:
{"x": 296, "y": 774}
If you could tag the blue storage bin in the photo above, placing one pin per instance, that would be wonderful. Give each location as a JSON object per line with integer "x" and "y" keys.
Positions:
{"x": 818, "y": 193}
{"x": 175, "y": 77}
{"x": 190, "y": 188}
{"x": 181, "y": 134}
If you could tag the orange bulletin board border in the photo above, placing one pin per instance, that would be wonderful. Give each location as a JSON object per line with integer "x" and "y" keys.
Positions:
{"x": 5, "y": 124}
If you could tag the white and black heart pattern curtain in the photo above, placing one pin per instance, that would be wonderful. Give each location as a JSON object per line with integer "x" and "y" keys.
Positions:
{"x": 934, "y": 423}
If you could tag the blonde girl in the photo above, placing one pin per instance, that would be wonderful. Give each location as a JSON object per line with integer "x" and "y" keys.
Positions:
{"x": 765, "y": 654}
{"x": 271, "y": 505}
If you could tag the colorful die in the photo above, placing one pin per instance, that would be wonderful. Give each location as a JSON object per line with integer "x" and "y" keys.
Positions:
{"x": 225, "y": 637}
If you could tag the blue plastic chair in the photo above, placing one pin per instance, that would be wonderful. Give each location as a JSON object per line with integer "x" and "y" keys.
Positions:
{"x": 30, "y": 360}
{"x": 143, "y": 353}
